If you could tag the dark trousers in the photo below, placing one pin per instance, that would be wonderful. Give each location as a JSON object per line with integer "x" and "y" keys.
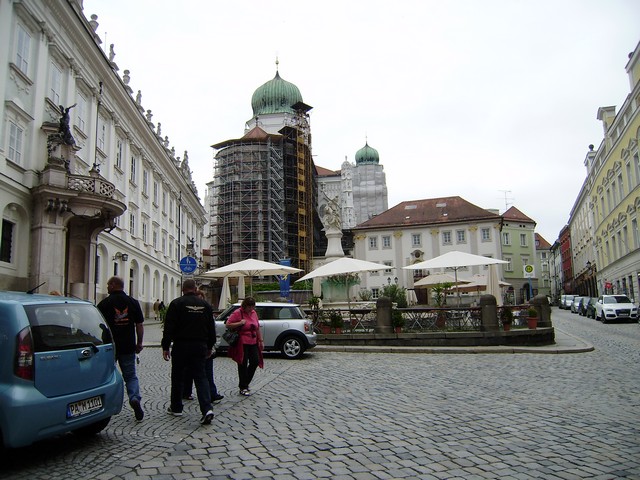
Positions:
{"x": 248, "y": 367}
{"x": 188, "y": 380}
{"x": 189, "y": 357}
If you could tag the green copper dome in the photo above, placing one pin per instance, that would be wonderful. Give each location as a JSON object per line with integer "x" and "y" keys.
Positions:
{"x": 367, "y": 155}
{"x": 275, "y": 96}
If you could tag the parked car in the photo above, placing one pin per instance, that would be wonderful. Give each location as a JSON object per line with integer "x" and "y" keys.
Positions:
{"x": 285, "y": 328}
{"x": 57, "y": 368}
{"x": 575, "y": 304}
{"x": 615, "y": 307}
{"x": 590, "y": 307}
{"x": 566, "y": 304}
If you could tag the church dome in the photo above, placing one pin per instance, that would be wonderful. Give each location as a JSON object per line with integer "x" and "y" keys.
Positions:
{"x": 275, "y": 96}
{"x": 367, "y": 155}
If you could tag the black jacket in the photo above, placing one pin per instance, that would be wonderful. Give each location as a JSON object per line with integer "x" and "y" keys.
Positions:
{"x": 189, "y": 319}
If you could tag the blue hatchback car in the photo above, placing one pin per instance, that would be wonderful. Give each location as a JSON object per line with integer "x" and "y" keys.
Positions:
{"x": 57, "y": 369}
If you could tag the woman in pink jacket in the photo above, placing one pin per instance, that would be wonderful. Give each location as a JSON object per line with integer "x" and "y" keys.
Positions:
{"x": 247, "y": 352}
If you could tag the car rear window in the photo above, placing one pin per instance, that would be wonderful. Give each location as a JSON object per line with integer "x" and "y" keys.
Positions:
{"x": 65, "y": 326}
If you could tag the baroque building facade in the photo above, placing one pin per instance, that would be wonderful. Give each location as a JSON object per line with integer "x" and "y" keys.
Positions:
{"x": 89, "y": 187}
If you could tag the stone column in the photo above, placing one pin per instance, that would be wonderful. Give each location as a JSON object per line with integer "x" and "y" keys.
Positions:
{"x": 541, "y": 304}
{"x": 489, "y": 313}
{"x": 383, "y": 315}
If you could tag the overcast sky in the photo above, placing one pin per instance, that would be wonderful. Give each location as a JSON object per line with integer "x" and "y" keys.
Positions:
{"x": 491, "y": 100}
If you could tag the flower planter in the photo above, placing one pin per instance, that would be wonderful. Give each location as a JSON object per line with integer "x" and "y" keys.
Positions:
{"x": 532, "y": 322}
{"x": 397, "y": 329}
{"x": 506, "y": 327}
{"x": 325, "y": 329}
{"x": 338, "y": 330}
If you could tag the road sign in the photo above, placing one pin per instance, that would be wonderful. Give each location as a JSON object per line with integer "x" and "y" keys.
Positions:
{"x": 529, "y": 271}
{"x": 188, "y": 264}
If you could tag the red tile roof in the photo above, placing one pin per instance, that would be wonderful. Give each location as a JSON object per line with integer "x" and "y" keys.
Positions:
{"x": 541, "y": 243}
{"x": 516, "y": 215}
{"x": 430, "y": 211}
{"x": 325, "y": 172}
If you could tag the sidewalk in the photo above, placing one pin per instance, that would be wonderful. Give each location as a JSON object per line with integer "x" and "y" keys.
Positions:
{"x": 565, "y": 343}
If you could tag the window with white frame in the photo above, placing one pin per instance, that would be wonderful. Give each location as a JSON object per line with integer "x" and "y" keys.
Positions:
{"x": 485, "y": 234}
{"x": 164, "y": 243}
{"x": 508, "y": 266}
{"x": 23, "y": 49}
{"x": 416, "y": 239}
{"x": 81, "y": 112}
{"x": 461, "y": 236}
{"x": 155, "y": 193}
{"x": 164, "y": 202}
{"x": 134, "y": 166}
{"x": 635, "y": 233}
{"x": 16, "y": 138}
{"x": 132, "y": 224}
{"x": 119, "y": 153}
{"x": 620, "y": 186}
{"x": 524, "y": 260}
{"x": 375, "y": 293}
{"x": 144, "y": 232}
{"x": 636, "y": 162}
{"x": 145, "y": 182}
{"x": 6, "y": 240}
{"x": 373, "y": 243}
{"x": 55, "y": 83}
{"x": 389, "y": 270}
{"x": 523, "y": 239}
{"x": 506, "y": 238}
{"x": 102, "y": 133}
{"x": 171, "y": 207}
{"x": 155, "y": 240}
{"x": 386, "y": 241}
{"x": 446, "y": 238}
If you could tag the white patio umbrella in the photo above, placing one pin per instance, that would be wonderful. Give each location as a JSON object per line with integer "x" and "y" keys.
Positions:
{"x": 251, "y": 268}
{"x": 342, "y": 266}
{"x": 225, "y": 294}
{"x": 454, "y": 260}
{"x": 438, "y": 279}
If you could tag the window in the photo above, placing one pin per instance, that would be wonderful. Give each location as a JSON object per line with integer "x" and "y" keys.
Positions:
{"x": 636, "y": 234}
{"x": 373, "y": 243}
{"x": 625, "y": 239}
{"x": 6, "y": 241}
{"x": 485, "y": 234}
{"x": 155, "y": 240}
{"x": 446, "y": 238}
{"x": 375, "y": 293}
{"x": 81, "y": 112}
{"x": 416, "y": 239}
{"x": 119, "y": 153}
{"x": 164, "y": 202}
{"x": 387, "y": 271}
{"x": 386, "y": 241}
{"x": 144, "y": 232}
{"x": 16, "y": 135}
{"x": 164, "y": 244}
{"x": 22, "y": 50}
{"x": 508, "y": 266}
{"x": 132, "y": 224}
{"x": 506, "y": 238}
{"x": 134, "y": 165}
{"x": 102, "y": 133}
{"x": 636, "y": 162}
{"x": 523, "y": 239}
{"x": 460, "y": 236}
{"x": 155, "y": 193}
{"x": 56, "y": 84}
{"x": 524, "y": 260}
{"x": 609, "y": 204}
{"x": 620, "y": 186}
{"x": 145, "y": 182}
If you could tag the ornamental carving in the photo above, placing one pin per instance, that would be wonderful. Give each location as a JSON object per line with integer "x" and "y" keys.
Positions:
{"x": 397, "y": 234}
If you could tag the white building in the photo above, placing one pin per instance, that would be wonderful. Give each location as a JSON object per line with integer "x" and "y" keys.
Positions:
{"x": 418, "y": 230}
{"x": 91, "y": 189}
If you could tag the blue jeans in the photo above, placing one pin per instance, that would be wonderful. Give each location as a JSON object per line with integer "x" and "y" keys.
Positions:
{"x": 127, "y": 364}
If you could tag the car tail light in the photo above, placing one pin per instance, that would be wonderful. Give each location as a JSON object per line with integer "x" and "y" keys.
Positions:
{"x": 23, "y": 367}
{"x": 307, "y": 327}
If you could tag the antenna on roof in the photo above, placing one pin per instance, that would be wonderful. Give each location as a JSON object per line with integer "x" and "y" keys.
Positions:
{"x": 506, "y": 199}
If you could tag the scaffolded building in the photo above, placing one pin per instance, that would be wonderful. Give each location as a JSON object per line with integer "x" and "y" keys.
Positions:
{"x": 264, "y": 195}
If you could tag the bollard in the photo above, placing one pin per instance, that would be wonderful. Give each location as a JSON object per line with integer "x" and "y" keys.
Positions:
{"x": 383, "y": 315}
{"x": 541, "y": 304}
{"x": 489, "y": 313}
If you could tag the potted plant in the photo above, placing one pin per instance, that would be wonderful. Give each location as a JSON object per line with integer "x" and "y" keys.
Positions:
{"x": 397, "y": 320}
{"x": 506, "y": 317}
{"x": 336, "y": 321}
{"x": 532, "y": 318}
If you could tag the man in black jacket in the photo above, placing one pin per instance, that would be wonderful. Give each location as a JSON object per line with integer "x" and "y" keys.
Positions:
{"x": 188, "y": 324}
{"x": 124, "y": 317}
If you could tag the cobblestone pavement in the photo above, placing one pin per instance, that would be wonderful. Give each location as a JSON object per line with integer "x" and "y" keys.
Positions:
{"x": 381, "y": 416}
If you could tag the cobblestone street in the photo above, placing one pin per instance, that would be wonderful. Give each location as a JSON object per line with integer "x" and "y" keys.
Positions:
{"x": 381, "y": 416}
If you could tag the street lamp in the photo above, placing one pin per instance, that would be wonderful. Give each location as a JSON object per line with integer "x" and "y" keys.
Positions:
{"x": 121, "y": 256}
{"x": 395, "y": 280}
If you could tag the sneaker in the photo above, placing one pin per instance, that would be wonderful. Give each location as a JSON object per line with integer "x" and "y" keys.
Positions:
{"x": 217, "y": 398}
{"x": 175, "y": 414}
{"x": 245, "y": 392}
{"x": 206, "y": 418}
{"x": 188, "y": 397}
{"x": 137, "y": 409}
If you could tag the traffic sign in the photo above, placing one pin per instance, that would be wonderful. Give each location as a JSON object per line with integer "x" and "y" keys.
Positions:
{"x": 188, "y": 264}
{"x": 529, "y": 271}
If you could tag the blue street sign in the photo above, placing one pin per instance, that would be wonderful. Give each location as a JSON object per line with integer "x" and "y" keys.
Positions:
{"x": 188, "y": 264}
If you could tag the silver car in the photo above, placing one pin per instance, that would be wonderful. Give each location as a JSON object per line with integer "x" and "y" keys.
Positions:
{"x": 284, "y": 326}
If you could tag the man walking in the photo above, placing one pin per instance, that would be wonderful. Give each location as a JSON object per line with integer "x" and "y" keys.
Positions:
{"x": 188, "y": 324}
{"x": 124, "y": 316}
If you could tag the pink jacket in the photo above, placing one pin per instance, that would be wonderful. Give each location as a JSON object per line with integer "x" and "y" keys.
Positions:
{"x": 248, "y": 334}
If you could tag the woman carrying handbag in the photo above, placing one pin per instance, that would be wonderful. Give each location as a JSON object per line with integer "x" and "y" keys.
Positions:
{"x": 247, "y": 352}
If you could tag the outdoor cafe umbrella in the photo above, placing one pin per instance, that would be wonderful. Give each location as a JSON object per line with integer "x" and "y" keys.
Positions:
{"x": 251, "y": 268}
{"x": 225, "y": 294}
{"x": 454, "y": 260}
{"x": 438, "y": 279}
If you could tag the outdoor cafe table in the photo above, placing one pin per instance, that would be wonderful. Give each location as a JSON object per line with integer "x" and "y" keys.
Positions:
{"x": 359, "y": 318}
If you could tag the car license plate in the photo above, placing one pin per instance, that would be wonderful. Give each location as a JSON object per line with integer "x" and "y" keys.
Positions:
{"x": 77, "y": 409}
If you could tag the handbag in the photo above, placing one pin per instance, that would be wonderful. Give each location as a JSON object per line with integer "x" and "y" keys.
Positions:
{"x": 231, "y": 337}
